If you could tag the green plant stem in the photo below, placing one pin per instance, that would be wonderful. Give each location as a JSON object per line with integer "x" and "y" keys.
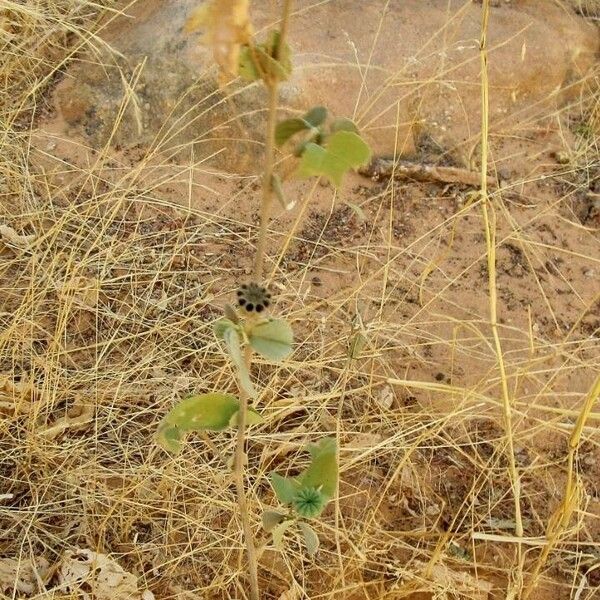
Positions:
{"x": 267, "y": 196}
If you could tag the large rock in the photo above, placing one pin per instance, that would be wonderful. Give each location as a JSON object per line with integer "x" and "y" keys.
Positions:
{"x": 406, "y": 73}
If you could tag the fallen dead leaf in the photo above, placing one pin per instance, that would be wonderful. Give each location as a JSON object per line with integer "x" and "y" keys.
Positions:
{"x": 107, "y": 579}
{"x": 460, "y": 582}
{"x": 23, "y": 576}
{"x": 17, "y": 395}
{"x": 76, "y": 419}
{"x": 9, "y": 236}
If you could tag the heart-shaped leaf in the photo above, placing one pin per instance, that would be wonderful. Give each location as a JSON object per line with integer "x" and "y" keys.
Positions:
{"x": 196, "y": 413}
{"x": 345, "y": 150}
{"x": 311, "y": 120}
{"x": 289, "y": 127}
{"x": 311, "y": 539}
{"x": 272, "y": 339}
{"x": 315, "y": 116}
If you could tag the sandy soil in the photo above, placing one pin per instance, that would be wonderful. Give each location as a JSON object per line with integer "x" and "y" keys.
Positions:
{"x": 106, "y": 311}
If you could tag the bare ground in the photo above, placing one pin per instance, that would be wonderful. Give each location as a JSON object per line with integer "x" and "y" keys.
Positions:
{"x": 114, "y": 263}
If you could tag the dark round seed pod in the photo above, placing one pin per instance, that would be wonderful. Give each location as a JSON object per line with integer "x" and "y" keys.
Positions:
{"x": 253, "y": 297}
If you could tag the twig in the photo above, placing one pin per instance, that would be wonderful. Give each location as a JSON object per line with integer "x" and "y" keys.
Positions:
{"x": 382, "y": 168}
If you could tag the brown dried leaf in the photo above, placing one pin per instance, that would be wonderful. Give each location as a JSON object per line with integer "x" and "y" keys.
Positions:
{"x": 17, "y": 397}
{"x": 228, "y": 27}
{"x": 461, "y": 582}
{"x": 11, "y": 237}
{"x": 79, "y": 416}
{"x": 107, "y": 580}
{"x": 23, "y": 576}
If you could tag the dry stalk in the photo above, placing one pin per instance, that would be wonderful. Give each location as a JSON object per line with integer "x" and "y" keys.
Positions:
{"x": 489, "y": 219}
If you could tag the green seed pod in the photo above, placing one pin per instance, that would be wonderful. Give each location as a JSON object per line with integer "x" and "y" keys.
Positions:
{"x": 309, "y": 502}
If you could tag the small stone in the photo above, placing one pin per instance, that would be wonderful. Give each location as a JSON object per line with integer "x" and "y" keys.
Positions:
{"x": 562, "y": 157}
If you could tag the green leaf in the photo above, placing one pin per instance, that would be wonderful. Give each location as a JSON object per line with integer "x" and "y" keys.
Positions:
{"x": 345, "y": 150}
{"x": 272, "y": 339}
{"x": 270, "y": 520}
{"x": 246, "y": 68}
{"x": 286, "y": 129}
{"x": 285, "y": 488}
{"x": 310, "y": 120}
{"x": 322, "y": 473}
{"x": 259, "y": 62}
{"x": 220, "y": 326}
{"x": 282, "y": 67}
{"x": 196, "y": 413}
{"x": 278, "y": 532}
{"x": 277, "y": 187}
{"x": 232, "y": 340}
{"x": 168, "y": 437}
{"x": 311, "y": 539}
{"x": 315, "y": 116}
{"x": 252, "y": 418}
{"x": 343, "y": 124}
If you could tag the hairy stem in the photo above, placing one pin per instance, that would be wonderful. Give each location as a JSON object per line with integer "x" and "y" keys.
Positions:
{"x": 267, "y": 189}
{"x": 267, "y": 195}
{"x": 238, "y": 473}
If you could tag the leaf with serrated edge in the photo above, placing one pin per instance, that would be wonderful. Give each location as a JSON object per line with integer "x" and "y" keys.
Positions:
{"x": 285, "y": 488}
{"x": 311, "y": 539}
{"x": 345, "y": 150}
{"x": 232, "y": 340}
{"x": 272, "y": 339}
{"x": 278, "y": 532}
{"x": 270, "y": 520}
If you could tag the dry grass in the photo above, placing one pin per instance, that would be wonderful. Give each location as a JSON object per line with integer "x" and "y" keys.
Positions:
{"x": 107, "y": 293}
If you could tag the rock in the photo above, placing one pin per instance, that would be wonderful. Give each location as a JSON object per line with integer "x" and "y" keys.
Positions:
{"x": 408, "y": 74}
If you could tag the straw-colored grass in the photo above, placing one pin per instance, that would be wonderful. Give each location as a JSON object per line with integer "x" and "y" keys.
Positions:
{"x": 468, "y": 424}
